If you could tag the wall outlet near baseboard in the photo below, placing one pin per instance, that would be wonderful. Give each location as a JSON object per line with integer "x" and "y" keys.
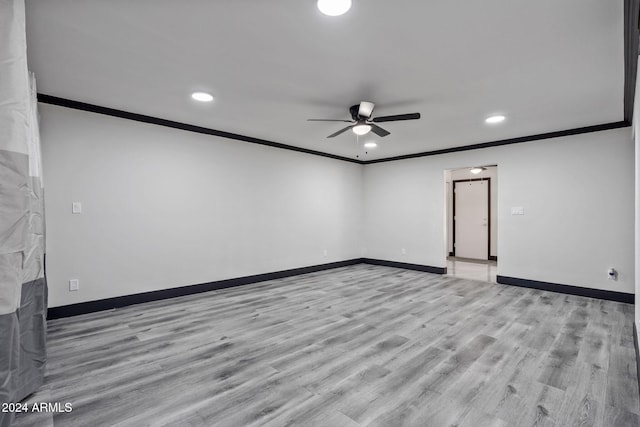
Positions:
{"x": 612, "y": 274}
{"x": 404, "y": 251}
{"x": 74, "y": 285}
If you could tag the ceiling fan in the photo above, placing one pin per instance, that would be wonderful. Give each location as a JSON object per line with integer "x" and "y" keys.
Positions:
{"x": 363, "y": 122}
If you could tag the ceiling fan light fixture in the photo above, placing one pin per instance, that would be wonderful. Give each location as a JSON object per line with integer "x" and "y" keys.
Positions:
{"x": 202, "y": 96}
{"x": 361, "y": 129}
{"x": 334, "y": 7}
{"x": 370, "y": 144}
{"x": 498, "y": 118}
{"x": 476, "y": 170}
{"x": 363, "y": 123}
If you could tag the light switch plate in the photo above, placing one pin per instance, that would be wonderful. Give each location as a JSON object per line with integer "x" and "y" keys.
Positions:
{"x": 76, "y": 207}
{"x": 518, "y": 210}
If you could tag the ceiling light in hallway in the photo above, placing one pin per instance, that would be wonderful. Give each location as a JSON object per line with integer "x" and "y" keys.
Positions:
{"x": 495, "y": 119}
{"x": 334, "y": 7}
{"x": 202, "y": 96}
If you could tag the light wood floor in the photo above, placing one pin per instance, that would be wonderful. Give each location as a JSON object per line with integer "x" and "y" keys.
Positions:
{"x": 360, "y": 345}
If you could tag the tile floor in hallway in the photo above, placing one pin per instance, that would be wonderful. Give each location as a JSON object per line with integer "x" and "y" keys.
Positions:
{"x": 465, "y": 268}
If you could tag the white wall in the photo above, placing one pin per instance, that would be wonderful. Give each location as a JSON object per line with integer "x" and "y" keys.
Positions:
{"x": 462, "y": 174}
{"x": 165, "y": 208}
{"x": 578, "y": 198}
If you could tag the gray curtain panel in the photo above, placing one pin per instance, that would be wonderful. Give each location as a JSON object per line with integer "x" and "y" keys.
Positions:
{"x": 23, "y": 288}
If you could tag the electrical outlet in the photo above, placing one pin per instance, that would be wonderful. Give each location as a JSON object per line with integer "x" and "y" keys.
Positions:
{"x": 612, "y": 274}
{"x": 76, "y": 207}
{"x": 325, "y": 252}
{"x": 404, "y": 251}
{"x": 74, "y": 285}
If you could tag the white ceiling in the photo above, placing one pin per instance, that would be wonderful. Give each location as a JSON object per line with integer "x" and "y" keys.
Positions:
{"x": 548, "y": 65}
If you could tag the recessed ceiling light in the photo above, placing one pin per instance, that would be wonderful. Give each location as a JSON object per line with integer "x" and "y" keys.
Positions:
{"x": 476, "y": 171}
{"x": 361, "y": 129}
{"x": 334, "y": 7}
{"x": 202, "y": 96}
{"x": 370, "y": 144}
{"x": 499, "y": 118}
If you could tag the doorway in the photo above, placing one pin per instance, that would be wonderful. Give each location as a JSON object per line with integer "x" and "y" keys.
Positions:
{"x": 471, "y": 222}
{"x": 471, "y": 210}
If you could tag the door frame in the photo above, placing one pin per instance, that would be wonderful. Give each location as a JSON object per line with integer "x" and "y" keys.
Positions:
{"x": 453, "y": 228}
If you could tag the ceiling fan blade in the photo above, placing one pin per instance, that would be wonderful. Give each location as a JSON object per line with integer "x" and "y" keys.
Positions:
{"x": 378, "y": 130}
{"x": 329, "y": 120}
{"x": 412, "y": 116}
{"x": 339, "y": 132}
{"x": 365, "y": 110}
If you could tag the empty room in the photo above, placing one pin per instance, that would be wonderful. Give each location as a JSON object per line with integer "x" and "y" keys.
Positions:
{"x": 319, "y": 213}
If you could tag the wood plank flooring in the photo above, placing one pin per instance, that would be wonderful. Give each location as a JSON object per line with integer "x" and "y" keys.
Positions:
{"x": 354, "y": 346}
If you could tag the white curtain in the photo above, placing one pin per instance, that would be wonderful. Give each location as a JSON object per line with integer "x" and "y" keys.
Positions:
{"x": 23, "y": 290}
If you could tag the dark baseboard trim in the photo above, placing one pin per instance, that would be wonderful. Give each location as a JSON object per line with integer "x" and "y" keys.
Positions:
{"x": 567, "y": 289}
{"x": 493, "y": 258}
{"x": 408, "y": 266}
{"x": 636, "y": 345}
{"x": 126, "y": 300}
{"x": 83, "y": 106}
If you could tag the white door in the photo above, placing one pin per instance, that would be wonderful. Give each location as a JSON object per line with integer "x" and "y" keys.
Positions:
{"x": 471, "y": 219}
